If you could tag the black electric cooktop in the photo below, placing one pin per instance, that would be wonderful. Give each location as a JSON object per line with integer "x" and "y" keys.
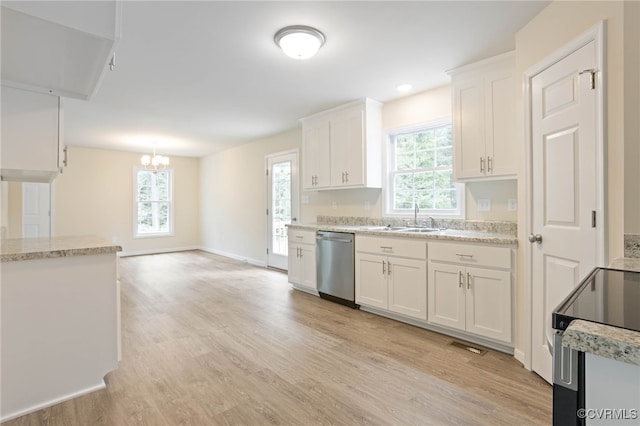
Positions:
{"x": 606, "y": 296}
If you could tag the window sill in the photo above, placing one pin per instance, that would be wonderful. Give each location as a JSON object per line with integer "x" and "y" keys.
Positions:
{"x": 156, "y": 235}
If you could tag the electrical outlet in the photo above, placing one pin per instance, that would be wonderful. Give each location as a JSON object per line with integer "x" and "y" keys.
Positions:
{"x": 484, "y": 205}
{"x": 305, "y": 199}
{"x": 512, "y": 204}
{"x": 334, "y": 205}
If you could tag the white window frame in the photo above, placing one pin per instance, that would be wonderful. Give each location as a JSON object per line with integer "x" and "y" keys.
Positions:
{"x": 388, "y": 192}
{"x": 169, "y": 233}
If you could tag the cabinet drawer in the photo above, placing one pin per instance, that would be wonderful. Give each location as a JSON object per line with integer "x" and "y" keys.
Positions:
{"x": 495, "y": 257}
{"x": 404, "y": 247}
{"x": 302, "y": 236}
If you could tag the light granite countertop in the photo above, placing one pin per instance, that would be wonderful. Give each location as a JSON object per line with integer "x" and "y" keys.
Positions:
{"x": 447, "y": 234}
{"x": 18, "y": 249}
{"x": 627, "y": 264}
{"x": 603, "y": 340}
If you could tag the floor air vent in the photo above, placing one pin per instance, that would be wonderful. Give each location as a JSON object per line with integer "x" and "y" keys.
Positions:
{"x": 469, "y": 348}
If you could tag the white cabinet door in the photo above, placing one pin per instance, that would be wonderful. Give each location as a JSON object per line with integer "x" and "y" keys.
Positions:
{"x": 500, "y": 127}
{"x": 308, "y": 263}
{"x": 347, "y": 148}
{"x": 468, "y": 129}
{"x": 488, "y": 303}
{"x": 484, "y": 131}
{"x": 295, "y": 270}
{"x": 408, "y": 287}
{"x": 342, "y": 147}
{"x": 30, "y": 131}
{"x": 371, "y": 281}
{"x": 302, "y": 266}
{"x": 316, "y": 154}
{"x": 446, "y": 295}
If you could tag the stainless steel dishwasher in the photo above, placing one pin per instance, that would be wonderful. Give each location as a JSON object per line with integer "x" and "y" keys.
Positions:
{"x": 335, "y": 271}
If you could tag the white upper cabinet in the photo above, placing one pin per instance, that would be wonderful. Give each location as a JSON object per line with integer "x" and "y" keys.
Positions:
{"x": 60, "y": 48}
{"x": 342, "y": 147}
{"x": 32, "y": 148}
{"x": 484, "y": 115}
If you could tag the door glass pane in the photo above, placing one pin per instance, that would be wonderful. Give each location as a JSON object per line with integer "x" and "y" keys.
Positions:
{"x": 281, "y": 208}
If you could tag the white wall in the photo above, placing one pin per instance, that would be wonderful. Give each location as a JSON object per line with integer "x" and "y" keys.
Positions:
{"x": 94, "y": 196}
{"x": 554, "y": 27}
{"x": 234, "y": 197}
{"x": 632, "y": 115}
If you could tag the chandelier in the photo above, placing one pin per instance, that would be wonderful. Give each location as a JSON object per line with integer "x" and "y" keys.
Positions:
{"x": 154, "y": 162}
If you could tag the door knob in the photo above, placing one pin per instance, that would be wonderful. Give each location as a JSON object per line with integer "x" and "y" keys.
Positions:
{"x": 535, "y": 238}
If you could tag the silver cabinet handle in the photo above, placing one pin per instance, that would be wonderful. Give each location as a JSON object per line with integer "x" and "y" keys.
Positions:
{"x": 384, "y": 268}
{"x": 346, "y": 177}
{"x": 481, "y": 164}
{"x": 464, "y": 255}
{"x": 388, "y": 268}
{"x": 460, "y": 279}
{"x": 299, "y": 236}
{"x": 65, "y": 162}
{"x": 535, "y": 238}
{"x": 489, "y": 165}
{"x": 386, "y": 247}
{"x": 468, "y": 280}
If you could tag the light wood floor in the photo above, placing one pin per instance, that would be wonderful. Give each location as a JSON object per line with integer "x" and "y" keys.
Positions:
{"x": 208, "y": 340}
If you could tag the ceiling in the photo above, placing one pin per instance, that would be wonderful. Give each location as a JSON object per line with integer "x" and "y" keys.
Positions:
{"x": 198, "y": 77}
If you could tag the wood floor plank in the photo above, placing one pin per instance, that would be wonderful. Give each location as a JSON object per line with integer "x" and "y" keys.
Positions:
{"x": 208, "y": 340}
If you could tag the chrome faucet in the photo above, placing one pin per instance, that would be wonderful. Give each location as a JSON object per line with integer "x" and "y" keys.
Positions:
{"x": 416, "y": 209}
{"x": 433, "y": 222}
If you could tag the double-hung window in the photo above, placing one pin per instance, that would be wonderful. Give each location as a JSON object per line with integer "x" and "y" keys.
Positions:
{"x": 153, "y": 212}
{"x": 420, "y": 172}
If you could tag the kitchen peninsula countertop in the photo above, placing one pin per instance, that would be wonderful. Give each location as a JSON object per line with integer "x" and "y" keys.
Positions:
{"x": 606, "y": 341}
{"x": 446, "y": 234}
{"x": 19, "y": 249}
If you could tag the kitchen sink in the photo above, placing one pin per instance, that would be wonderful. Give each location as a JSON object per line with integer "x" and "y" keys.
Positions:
{"x": 422, "y": 230}
{"x": 385, "y": 228}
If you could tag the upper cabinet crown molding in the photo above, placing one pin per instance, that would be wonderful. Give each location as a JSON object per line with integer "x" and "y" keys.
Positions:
{"x": 484, "y": 132}
{"x": 342, "y": 147}
{"x": 59, "y": 48}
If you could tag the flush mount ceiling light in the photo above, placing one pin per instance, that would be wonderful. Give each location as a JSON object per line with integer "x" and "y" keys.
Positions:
{"x": 299, "y": 41}
{"x": 404, "y": 87}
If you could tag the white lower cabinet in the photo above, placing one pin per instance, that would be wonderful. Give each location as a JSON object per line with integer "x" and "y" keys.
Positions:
{"x": 302, "y": 260}
{"x": 388, "y": 278}
{"x": 473, "y": 299}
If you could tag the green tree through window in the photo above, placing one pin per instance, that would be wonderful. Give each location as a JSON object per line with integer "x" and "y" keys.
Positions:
{"x": 153, "y": 202}
{"x": 421, "y": 172}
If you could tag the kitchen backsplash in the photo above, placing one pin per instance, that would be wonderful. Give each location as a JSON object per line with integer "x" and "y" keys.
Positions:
{"x": 499, "y": 227}
{"x": 632, "y": 245}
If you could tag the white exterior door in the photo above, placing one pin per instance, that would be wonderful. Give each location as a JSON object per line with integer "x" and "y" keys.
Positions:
{"x": 36, "y": 210}
{"x": 564, "y": 184}
{"x": 282, "y": 205}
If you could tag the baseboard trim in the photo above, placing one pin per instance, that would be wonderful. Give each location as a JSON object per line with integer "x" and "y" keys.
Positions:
{"x": 250, "y": 261}
{"x": 156, "y": 251}
{"x": 442, "y": 330}
{"x": 520, "y": 357}
{"x": 54, "y": 401}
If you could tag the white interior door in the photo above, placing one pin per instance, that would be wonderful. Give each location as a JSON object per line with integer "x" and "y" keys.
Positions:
{"x": 36, "y": 210}
{"x": 565, "y": 182}
{"x": 282, "y": 205}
